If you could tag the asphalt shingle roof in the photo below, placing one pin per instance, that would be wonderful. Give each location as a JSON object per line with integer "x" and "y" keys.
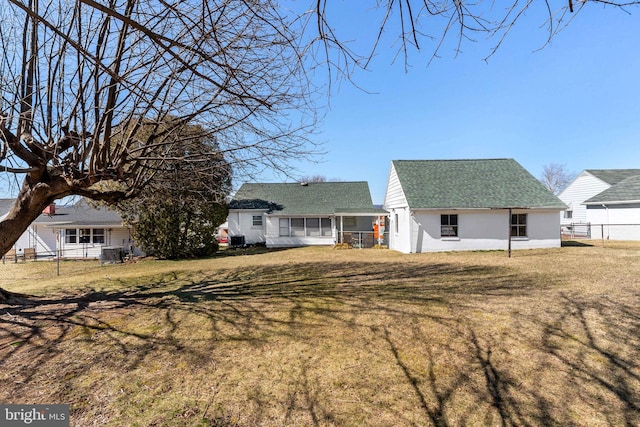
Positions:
{"x": 314, "y": 198}
{"x": 80, "y": 213}
{"x": 472, "y": 184}
{"x": 627, "y": 190}
{"x": 5, "y": 206}
{"x": 613, "y": 176}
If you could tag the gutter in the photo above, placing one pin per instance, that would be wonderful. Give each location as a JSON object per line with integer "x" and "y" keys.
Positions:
{"x": 613, "y": 202}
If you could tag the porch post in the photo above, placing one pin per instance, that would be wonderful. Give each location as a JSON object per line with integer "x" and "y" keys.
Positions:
{"x": 509, "y": 222}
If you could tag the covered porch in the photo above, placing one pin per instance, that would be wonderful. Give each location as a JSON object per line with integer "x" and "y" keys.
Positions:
{"x": 361, "y": 229}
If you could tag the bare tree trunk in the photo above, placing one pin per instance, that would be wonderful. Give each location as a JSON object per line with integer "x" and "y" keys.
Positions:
{"x": 28, "y": 206}
{"x": 94, "y": 98}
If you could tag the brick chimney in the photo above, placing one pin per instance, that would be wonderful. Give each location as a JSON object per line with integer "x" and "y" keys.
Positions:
{"x": 50, "y": 210}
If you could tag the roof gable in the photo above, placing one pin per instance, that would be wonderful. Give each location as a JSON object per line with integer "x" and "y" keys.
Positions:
{"x": 471, "y": 184}
{"x": 314, "y": 198}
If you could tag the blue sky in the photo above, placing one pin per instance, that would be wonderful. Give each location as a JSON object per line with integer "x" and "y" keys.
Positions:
{"x": 575, "y": 102}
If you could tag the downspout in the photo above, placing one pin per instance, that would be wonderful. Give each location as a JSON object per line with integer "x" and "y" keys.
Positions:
{"x": 607, "y": 212}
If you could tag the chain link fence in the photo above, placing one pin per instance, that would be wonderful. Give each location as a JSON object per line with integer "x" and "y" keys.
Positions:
{"x": 577, "y": 231}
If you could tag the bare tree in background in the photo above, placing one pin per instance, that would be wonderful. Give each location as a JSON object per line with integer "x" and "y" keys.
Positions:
{"x": 313, "y": 178}
{"x": 556, "y": 177}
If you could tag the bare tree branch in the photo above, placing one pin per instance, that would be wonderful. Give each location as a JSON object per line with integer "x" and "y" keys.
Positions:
{"x": 94, "y": 94}
{"x": 555, "y": 177}
{"x": 428, "y": 25}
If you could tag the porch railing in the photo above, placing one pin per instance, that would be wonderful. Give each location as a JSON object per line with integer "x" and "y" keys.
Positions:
{"x": 361, "y": 239}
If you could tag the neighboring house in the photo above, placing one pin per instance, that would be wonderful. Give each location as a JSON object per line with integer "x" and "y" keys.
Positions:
{"x": 222, "y": 233}
{"x": 302, "y": 214}
{"x": 450, "y": 205}
{"x": 603, "y": 203}
{"x": 77, "y": 231}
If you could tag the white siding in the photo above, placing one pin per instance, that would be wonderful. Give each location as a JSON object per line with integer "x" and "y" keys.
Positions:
{"x": 42, "y": 239}
{"x": 617, "y": 222}
{"x": 241, "y": 224}
{"x": 483, "y": 230}
{"x": 584, "y": 187}
{"x": 400, "y": 220}
{"x": 274, "y": 240}
{"x": 543, "y": 231}
{"x": 292, "y": 242}
{"x": 117, "y": 237}
{"x": 81, "y": 250}
{"x": 394, "y": 196}
{"x": 400, "y": 223}
{"x": 233, "y": 223}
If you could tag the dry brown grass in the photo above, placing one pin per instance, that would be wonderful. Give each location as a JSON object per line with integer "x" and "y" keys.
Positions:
{"x": 315, "y": 336}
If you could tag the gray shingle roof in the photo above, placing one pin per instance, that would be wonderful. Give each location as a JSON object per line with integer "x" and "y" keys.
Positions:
{"x": 472, "y": 184}
{"x": 315, "y": 198}
{"x": 80, "y": 213}
{"x": 5, "y": 206}
{"x": 627, "y": 190}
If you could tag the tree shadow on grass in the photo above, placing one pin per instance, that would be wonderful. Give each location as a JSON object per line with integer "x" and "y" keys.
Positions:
{"x": 576, "y": 378}
{"x": 598, "y": 340}
{"x": 577, "y": 337}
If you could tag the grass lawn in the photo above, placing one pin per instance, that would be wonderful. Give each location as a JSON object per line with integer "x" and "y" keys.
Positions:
{"x": 315, "y": 336}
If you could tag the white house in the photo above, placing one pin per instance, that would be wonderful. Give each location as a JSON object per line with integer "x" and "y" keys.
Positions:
{"x": 603, "y": 203}
{"x": 451, "y": 205}
{"x": 77, "y": 231}
{"x": 302, "y": 214}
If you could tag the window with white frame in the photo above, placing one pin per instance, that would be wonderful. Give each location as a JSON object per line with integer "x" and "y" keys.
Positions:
{"x": 449, "y": 225}
{"x": 98, "y": 236}
{"x": 519, "y": 225}
{"x": 396, "y": 223}
{"x": 256, "y": 221}
{"x": 325, "y": 227}
{"x": 283, "y": 227}
{"x": 85, "y": 235}
{"x": 304, "y": 227}
{"x": 71, "y": 235}
{"x": 313, "y": 226}
{"x": 568, "y": 214}
{"x": 297, "y": 226}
